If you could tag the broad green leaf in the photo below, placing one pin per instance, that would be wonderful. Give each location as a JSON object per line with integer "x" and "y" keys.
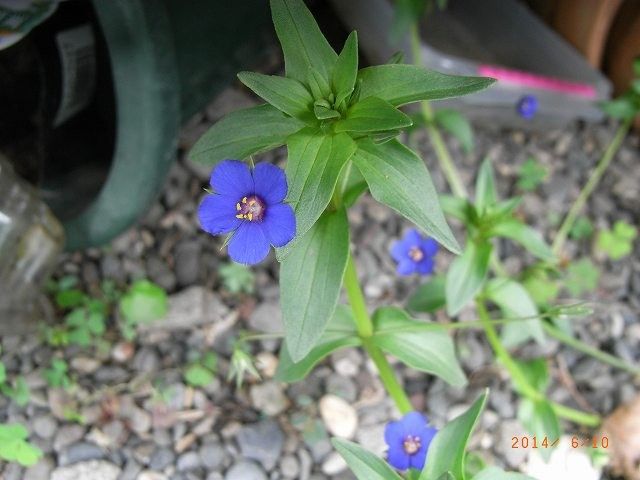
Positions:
{"x": 582, "y": 228}
{"x": 345, "y": 71}
{"x": 303, "y": 44}
{"x": 243, "y": 133}
{"x": 324, "y": 113}
{"x": 310, "y": 282}
{"x": 198, "y": 376}
{"x": 466, "y": 275}
{"x": 402, "y": 84}
{"x": 70, "y": 298}
{"x": 495, "y": 473}
{"x": 514, "y": 302}
{"x": 352, "y": 186}
{"x": 486, "y": 194}
{"x": 318, "y": 84}
{"x": 447, "y": 450}
{"x": 541, "y": 287}
{"x": 363, "y": 463}
{"x": 13, "y": 431}
{"x": 457, "y": 125}
{"x": 428, "y": 351}
{"x": 540, "y": 420}
{"x": 618, "y": 242}
{"x": 398, "y": 178}
{"x": 144, "y": 302}
{"x": 340, "y": 333}
{"x": 95, "y": 323}
{"x": 313, "y": 167}
{"x": 372, "y": 115}
{"x": 286, "y": 94}
{"x": 459, "y": 208}
{"x": 536, "y": 373}
{"x": 429, "y": 296}
{"x": 524, "y": 235}
{"x": 622, "y": 108}
{"x": 14, "y": 446}
{"x": 237, "y": 278}
{"x": 531, "y": 175}
{"x": 582, "y": 276}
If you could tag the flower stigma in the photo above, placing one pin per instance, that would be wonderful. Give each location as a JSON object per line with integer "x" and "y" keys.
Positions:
{"x": 250, "y": 208}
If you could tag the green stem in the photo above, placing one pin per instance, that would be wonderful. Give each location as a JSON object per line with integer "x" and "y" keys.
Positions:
{"x": 442, "y": 153}
{"x": 590, "y": 186}
{"x": 589, "y": 350}
{"x": 364, "y": 326}
{"x": 520, "y": 380}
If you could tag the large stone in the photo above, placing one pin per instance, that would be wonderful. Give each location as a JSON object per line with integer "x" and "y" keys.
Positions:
{"x": 245, "y": 470}
{"x": 92, "y": 470}
{"x": 262, "y": 441}
{"x": 339, "y": 416}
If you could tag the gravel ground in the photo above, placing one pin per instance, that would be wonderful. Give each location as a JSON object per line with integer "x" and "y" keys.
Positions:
{"x": 140, "y": 420}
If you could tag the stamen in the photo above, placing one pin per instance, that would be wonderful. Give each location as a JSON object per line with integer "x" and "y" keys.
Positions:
{"x": 251, "y": 208}
{"x": 238, "y": 207}
{"x": 411, "y": 444}
{"x": 239, "y": 215}
{"x": 244, "y": 199}
{"x": 416, "y": 254}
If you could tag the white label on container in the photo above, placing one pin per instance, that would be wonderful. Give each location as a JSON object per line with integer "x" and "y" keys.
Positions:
{"x": 78, "y": 69}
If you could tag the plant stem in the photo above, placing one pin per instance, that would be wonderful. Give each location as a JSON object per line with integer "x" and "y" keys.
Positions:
{"x": 590, "y": 186}
{"x": 442, "y": 153}
{"x": 589, "y": 350}
{"x": 364, "y": 326}
{"x": 520, "y": 380}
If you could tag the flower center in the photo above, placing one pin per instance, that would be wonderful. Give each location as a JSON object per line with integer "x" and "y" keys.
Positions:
{"x": 411, "y": 444}
{"x": 416, "y": 254}
{"x": 251, "y": 208}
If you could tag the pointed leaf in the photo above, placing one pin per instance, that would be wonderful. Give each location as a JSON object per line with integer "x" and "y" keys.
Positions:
{"x": 402, "y": 84}
{"x": 372, "y": 115}
{"x": 430, "y": 296}
{"x": 340, "y": 333}
{"x": 286, "y": 94}
{"x": 310, "y": 282}
{"x": 243, "y": 133}
{"x": 524, "y": 235}
{"x": 346, "y": 68}
{"x": 466, "y": 275}
{"x": 398, "y": 178}
{"x": 363, "y": 463}
{"x": 540, "y": 420}
{"x": 515, "y": 302}
{"x": 459, "y": 208}
{"x": 447, "y": 450}
{"x": 486, "y": 194}
{"x": 313, "y": 167}
{"x": 303, "y": 44}
{"x": 428, "y": 351}
{"x": 457, "y": 125}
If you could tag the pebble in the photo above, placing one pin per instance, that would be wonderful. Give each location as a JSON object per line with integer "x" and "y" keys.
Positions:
{"x": 333, "y": 464}
{"x": 269, "y": 398}
{"x": 289, "y": 466}
{"x": 212, "y": 455}
{"x": 245, "y": 470}
{"x": 45, "y": 426}
{"x": 91, "y": 470}
{"x": 151, "y": 475}
{"x": 66, "y": 435}
{"x": 161, "y": 458}
{"x": 80, "y": 452}
{"x": 339, "y": 416}
{"x": 40, "y": 471}
{"x": 85, "y": 365}
{"x": 262, "y": 442}
{"x": 188, "y": 461}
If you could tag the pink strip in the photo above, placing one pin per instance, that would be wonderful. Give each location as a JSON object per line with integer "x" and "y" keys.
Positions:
{"x": 518, "y": 77}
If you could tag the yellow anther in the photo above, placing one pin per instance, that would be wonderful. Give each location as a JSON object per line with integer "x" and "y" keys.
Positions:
{"x": 239, "y": 215}
{"x": 250, "y": 216}
{"x": 238, "y": 207}
{"x": 252, "y": 202}
{"x": 244, "y": 199}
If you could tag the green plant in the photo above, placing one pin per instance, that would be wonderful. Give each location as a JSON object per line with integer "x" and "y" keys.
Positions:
{"x": 144, "y": 302}
{"x": 14, "y": 446}
{"x": 237, "y": 278}
{"x": 18, "y": 391}
{"x": 583, "y": 228}
{"x": 618, "y": 242}
{"x": 532, "y": 174}
{"x": 582, "y": 277}
{"x": 201, "y": 372}
{"x": 56, "y": 375}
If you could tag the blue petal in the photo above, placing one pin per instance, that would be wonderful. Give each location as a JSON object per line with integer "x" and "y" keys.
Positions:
{"x": 394, "y": 433}
{"x": 397, "y": 457}
{"x": 417, "y": 459}
{"x": 270, "y": 183}
{"x": 217, "y": 214}
{"x": 249, "y": 245}
{"x": 413, "y": 238}
{"x": 414, "y": 423}
{"x": 429, "y": 247}
{"x": 233, "y": 179}
{"x": 279, "y": 224}
{"x": 425, "y": 266}
{"x": 406, "y": 266}
{"x": 400, "y": 250}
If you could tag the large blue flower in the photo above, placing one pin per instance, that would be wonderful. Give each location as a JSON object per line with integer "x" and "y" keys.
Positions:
{"x": 414, "y": 253}
{"x": 249, "y": 205}
{"x": 408, "y": 440}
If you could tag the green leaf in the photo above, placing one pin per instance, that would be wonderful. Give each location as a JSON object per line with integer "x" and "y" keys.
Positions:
{"x": 459, "y": 208}
{"x": 198, "y": 376}
{"x": 536, "y": 372}
{"x": 541, "y": 288}
{"x": 582, "y": 228}
{"x": 524, "y": 235}
{"x": 495, "y": 473}
{"x": 447, "y": 450}
{"x": 302, "y": 41}
{"x": 402, "y": 84}
{"x": 622, "y": 108}
{"x": 540, "y": 420}
{"x": 69, "y": 298}
{"x": 532, "y": 174}
{"x": 286, "y": 94}
{"x": 324, "y": 113}
{"x": 353, "y": 185}
{"x": 514, "y": 302}
{"x": 429, "y": 296}
{"x": 14, "y": 447}
{"x": 80, "y": 336}
{"x": 372, "y": 115}
{"x": 314, "y": 165}
{"x": 617, "y": 243}
{"x": 363, "y": 463}
{"x": 398, "y": 178}
{"x": 3, "y": 373}
{"x": 427, "y": 351}
{"x": 310, "y": 282}
{"x": 144, "y": 302}
{"x": 243, "y": 133}
{"x": 457, "y": 125}
{"x": 486, "y": 194}
{"x": 405, "y": 14}
{"x": 20, "y": 392}
{"x": 95, "y": 323}
{"x": 210, "y": 361}
{"x": 237, "y": 278}
{"x": 582, "y": 277}
{"x": 466, "y": 275}
{"x": 345, "y": 71}
{"x": 340, "y": 333}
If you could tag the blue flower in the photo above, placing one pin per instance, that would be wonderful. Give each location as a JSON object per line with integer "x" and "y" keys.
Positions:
{"x": 408, "y": 440}
{"x": 527, "y": 106}
{"x": 414, "y": 253}
{"x": 249, "y": 205}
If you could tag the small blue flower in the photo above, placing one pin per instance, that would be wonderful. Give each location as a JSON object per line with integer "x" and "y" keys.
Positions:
{"x": 249, "y": 205}
{"x": 408, "y": 440}
{"x": 414, "y": 253}
{"x": 527, "y": 106}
